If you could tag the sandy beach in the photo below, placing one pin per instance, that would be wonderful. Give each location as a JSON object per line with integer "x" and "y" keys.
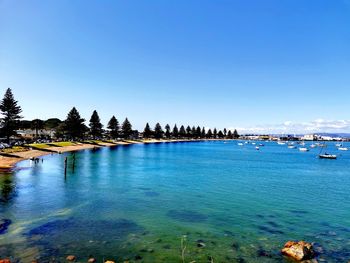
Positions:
{"x": 7, "y": 162}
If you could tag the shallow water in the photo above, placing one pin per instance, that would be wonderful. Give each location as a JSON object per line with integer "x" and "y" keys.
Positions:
{"x": 140, "y": 202}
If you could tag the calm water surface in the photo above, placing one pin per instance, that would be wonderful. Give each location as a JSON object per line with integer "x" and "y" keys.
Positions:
{"x": 138, "y": 202}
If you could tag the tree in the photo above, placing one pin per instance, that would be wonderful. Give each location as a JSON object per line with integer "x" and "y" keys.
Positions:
{"x": 209, "y": 134}
{"x": 24, "y": 124}
{"x": 193, "y": 132}
{"x": 167, "y": 131}
{"x": 215, "y": 133}
{"x": 147, "y": 132}
{"x": 175, "y": 131}
{"x": 95, "y": 125}
{"x": 11, "y": 114}
{"x": 182, "y": 132}
{"x": 220, "y": 134}
{"x": 52, "y": 123}
{"x": 198, "y": 132}
{"x": 225, "y": 132}
{"x": 188, "y": 132}
{"x": 113, "y": 126}
{"x": 126, "y": 129}
{"x": 37, "y": 125}
{"x": 158, "y": 131}
{"x": 229, "y": 134}
{"x": 235, "y": 134}
{"x": 74, "y": 125}
{"x": 203, "y": 133}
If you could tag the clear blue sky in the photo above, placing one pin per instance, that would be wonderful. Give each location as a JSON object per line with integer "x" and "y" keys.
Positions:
{"x": 222, "y": 63}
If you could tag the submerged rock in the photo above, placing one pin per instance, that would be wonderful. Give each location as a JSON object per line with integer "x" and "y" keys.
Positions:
{"x": 91, "y": 260}
{"x": 5, "y": 260}
{"x": 298, "y": 250}
{"x": 71, "y": 258}
{"x": 4, "y": 224}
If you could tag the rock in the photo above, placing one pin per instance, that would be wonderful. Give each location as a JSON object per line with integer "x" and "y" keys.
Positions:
{"x": 109, "y": 261}
{"x": 298, "y": 250}
{"x": 5, "y": 260}
{"x": 4, "y": 224}
{"x": 200, "y": 244}
{"x": 91, "y": 260}
{"x": 71, "y": 258}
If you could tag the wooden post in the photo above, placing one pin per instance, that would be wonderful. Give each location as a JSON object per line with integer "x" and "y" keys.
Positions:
{"x": 73, "y": 165}
{"x": 65, "y": 167}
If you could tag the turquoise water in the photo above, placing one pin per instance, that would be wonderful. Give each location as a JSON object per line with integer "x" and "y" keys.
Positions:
{"x": 144, "y": 203}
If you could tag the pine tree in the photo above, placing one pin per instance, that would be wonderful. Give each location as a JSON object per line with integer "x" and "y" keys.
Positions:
{"x": 113, "y": 126}
{"x": 147, "y": 132}
{"x": 229, "y": 134}
{"x": 198, "y": 132}
{"x": 126, "y": 129}
{"x": 167, "y": 131}
{"x": 95, "y": 125}
{"x": 225, "y": 132}
{"x": 235, "y": 134}
{"x": 188, "y": 132}
{"x": 158, "y": 131}
{"x": 193, "y": 132}
{"x": 11, "y": 114}
{"x": 74, "y": 125}
{"x": 182, "y": 132}
{"x": 37, "y": 125}
{"x": 203, "y": 133}
{"x": 175, "y": 132}
{"x": 215, "y": 133}
{"x": 220, "y": 134}
{"x": 209, "y": 134}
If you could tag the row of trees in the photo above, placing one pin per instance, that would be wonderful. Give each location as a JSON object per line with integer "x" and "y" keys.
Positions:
{"x": 188, "y": 132}
{"x": 74, "y": 126}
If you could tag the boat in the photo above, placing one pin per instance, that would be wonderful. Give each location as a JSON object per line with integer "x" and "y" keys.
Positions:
{"x": 327, "y": 156}
{"x": 257, "y": 148}
{"x": 281, "y": 143}
{"x": 302, "y": 143}
{"x": 253, "y": 143}
{"x": 240, "y": 144}
{"x": 338, "y": 145}
{"x": 303, "y": 149}
{"x": 313, "y": 146}
{"x": 292, "y": 146}
{"x": 261, "y": 144}
{"x": 343, "y": 149}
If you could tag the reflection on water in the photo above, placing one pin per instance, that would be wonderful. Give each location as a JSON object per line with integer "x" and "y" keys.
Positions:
{"x": 139, "y": 202}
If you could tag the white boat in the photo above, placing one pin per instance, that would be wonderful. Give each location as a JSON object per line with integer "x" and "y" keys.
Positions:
{"x": 313, "y": 146}
{"x": 327, "y": 156}
{"x": 302, "y": 143}
{"x": 343, "y": 149}
{"x": 338, "y": 145}
{"x": 303, "y": 149}
{"x": 253, "y": 143}
{"x": 292, "y": 146}
{"x": 240, "y": 144}
{"x": 257, "y": 148}
{"x": 281, "y": 143}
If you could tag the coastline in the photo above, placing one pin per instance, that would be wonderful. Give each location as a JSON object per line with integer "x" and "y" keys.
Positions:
{"x": 7, "y": 163}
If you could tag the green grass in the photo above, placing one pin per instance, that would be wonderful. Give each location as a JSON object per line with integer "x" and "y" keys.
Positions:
{"x": 39, "y": 145}
{"x": 14, "y": 149}
{"x": 62, "y": 144}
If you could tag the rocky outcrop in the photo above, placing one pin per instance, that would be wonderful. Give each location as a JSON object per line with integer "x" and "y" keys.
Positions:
{"x": 299, "y": 251}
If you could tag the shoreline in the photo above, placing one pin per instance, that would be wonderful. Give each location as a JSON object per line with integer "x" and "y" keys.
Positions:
{"x": 7, "y": 163}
